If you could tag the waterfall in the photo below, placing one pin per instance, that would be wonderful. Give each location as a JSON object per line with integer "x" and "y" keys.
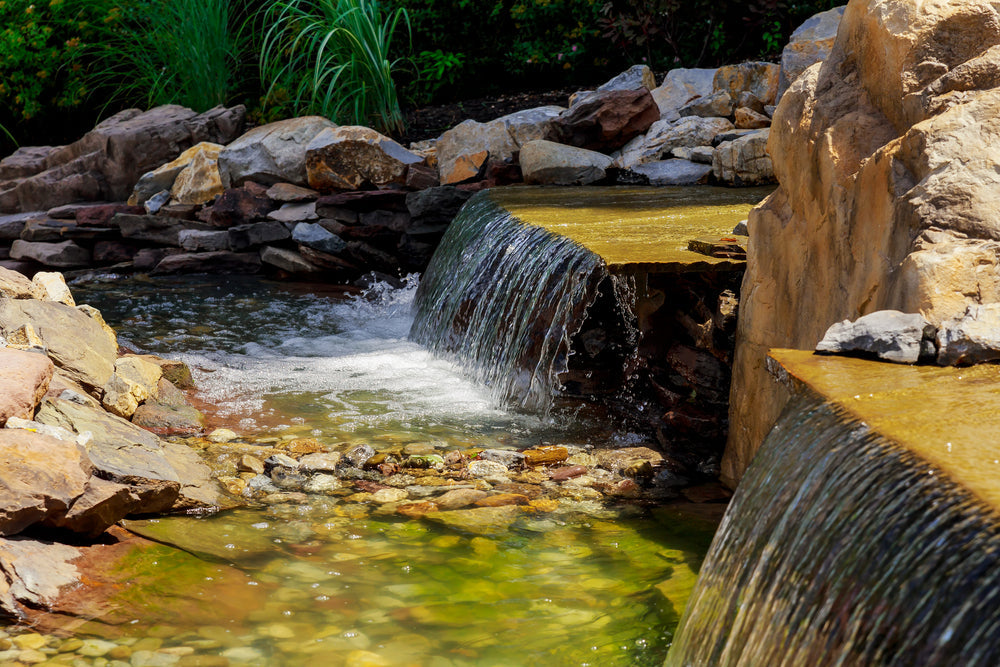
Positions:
{"x": 842, "y": 548}
{"x": 504, "y": 299}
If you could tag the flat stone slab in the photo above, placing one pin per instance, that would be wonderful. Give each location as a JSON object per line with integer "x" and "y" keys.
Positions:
{"x": 950, "y": 417}
{"x": 634, "y": 229}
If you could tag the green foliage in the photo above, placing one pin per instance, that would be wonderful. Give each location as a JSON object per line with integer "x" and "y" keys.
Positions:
{"x": 436, "y": 70}
{"x": 155, "y": 52}
{"x": 41, "y": 55}
{"x": 333, "y": 58}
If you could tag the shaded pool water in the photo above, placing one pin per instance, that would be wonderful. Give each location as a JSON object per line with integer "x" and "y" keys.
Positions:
{"x": 330, "y": 582}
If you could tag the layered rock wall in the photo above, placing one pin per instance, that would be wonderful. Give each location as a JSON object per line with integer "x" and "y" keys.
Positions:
{"x": 890, "y": 193}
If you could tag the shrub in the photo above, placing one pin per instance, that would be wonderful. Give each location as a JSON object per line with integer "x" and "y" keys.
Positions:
{"x": 333, "y": 58}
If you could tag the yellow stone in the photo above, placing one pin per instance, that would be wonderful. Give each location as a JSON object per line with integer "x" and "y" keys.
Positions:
{"x": 29, "y": 641}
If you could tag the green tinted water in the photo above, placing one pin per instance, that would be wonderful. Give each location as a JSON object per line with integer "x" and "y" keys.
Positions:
{"x": 329, "y": 581}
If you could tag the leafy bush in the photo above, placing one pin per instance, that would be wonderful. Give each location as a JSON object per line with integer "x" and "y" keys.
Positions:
{"x": 332, "y": 58}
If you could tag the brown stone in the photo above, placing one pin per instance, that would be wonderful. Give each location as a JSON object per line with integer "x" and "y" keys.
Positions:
{"x": 302, "y": 446}
{"x": 289, "y": 193}
{"x": 501, "y": 499}
{"x": 606, "y": 121}
{"x": 567, "y": 472}
{"x": 545, "y": 455}
{"x": 14, "y": 285}
{"x": 759, "y": 78}
{"x": 458, "y": 498}
{"x": 748, "y": 119}
{"x": 416, "y": 510}
{"x": 237, "y": 206}
{"x": 354, "y": 157}
{"x": 24, "y": 379}
{"x": 209, "y": 262}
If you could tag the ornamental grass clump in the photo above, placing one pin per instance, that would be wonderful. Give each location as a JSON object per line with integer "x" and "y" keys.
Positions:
{"x": 154, "y": 52}
{"x": 333, "y": 58}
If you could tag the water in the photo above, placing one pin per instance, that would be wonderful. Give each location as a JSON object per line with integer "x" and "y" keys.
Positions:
{"x": 330, "y": 581}
{"x": 505, "y": 299}
{"x": 841, "y": 548}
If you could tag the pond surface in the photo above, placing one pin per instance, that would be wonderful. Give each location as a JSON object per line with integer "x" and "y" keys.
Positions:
{"x": 330, "y": 582}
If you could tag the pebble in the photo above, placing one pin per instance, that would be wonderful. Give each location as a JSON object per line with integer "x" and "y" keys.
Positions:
{"x": 222, "y": 435}
{"x": 390, "y": 495}
{"x": 319, "y": 462}
{"x": 32, "y": 656}
{"x": 323, "y": 484}
{"x": 94, "y": 648}
{"x": 31, "y": 640}
{"x": 567, "y": 472}
{"x": 485, "y": 469}
{"x": 252, "y": 464}
{"x": 243, "y": 654}
{"x": 154, "y": 659}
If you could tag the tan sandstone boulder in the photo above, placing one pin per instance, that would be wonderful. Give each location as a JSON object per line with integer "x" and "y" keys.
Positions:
{"x": 889, "y": 198}
{"x": 351, "y": 157}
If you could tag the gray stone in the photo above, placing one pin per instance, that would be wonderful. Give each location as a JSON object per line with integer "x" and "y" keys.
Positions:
{"x": 75, "y": 342}
{"x": 295, "y": 212}
{"x": 663, "y": 137}
{"x": 209, "y": 262}
{"x": 320, "y": 462}
{"x": 674, "y": 172}
{"x": 702, "y": 154}
{"x": 437, "y": 205}
{"x": 315, "y": 236}
{"x": 287, "y": 260}
{"x": 547, "y": 162}
{"x": 195, "y": 240}
{"x": 635, "y": 77}
{"x": 744, "y": 161}
{"x": 972, "y": 338}
{"x": 481, "y": 469}
{"x": 809, "y": 44}
{"x": 154, "y": 228}
{"x": 506, "y": 457}
{"x": 12, "y": 225}
{"x": 679, "y": 87}
{"x": 242, "y": 237}
{"x": 61, "y": 255}
{"x": 464, "y": 149}
{"x": 887, "y": 334}
{"x": 532, "y": 124}
{"x": 717, "y": 105}
{"x": 357, "y": 456}
{"x": 272, "y": 153}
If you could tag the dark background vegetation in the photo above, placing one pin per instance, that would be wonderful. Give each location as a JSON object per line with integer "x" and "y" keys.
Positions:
{"x": 65, "y": 64}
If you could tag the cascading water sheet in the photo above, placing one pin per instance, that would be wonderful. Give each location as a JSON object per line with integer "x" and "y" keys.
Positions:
{"x": 842, "y": 548}
{"x": 505, "y": 299}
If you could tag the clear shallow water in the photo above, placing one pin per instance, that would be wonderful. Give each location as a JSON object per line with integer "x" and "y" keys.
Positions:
{"x": 331, "y": 582}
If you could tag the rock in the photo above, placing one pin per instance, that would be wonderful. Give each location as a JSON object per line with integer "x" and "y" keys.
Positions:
{"x": 567, "y": 472}
{"x": 199, "y": 182}
{"x": 155, "y": 228}
{"x": 163, "y": 177}
{"x": 51, "y": 286}
{"x": 288, "y": 193}
{"x": 296, "y": 212}
{"x": 38, "y": 573}
{"x": 358, "y": 456}
{"x": 353, "y": 157}
{"x": 464, "y": 149}
{"x": 717, "y": 105}
{"x": 209, "y": 262}
{"x": 120, "y": 452}
{"x": 759, "y": 78}
{"x": 62, "y": 255}
{"x": 484, "y": 469}
{"x": 198, "y": 489}
{"x": 25, "y": 161}
{"x": 422, "y": 176}
{"x": 320, "y": 462}
{"x": 663, "y": 137}
{"x": 76, "y": 343}
{"x": 14, "y": 285}
{"x": 701, "y": 155}
{"x": 11, "y": 226}
{"x": 41, "y": 477}
{"x": 24, "y": 380}
{"x": 887, "y": 334}
{"x": 107, "y": 162}
{"x": 674, "y": 172}
{"x": 973, "y": 338}
{"x": 744, "y": 161}
{"x": 437, "y": 205}
{"x": 221, "y": 435}
{"x": 679, "y": 87}
{"x": 315, "y": 236}
{"x": 242, "y": 237}
{"x": 606, "y": 121}
{"x": 272, "y": 153}
{"x": 506, "y": 457}
{"x": 201, "y": 240}
{"x": 479, "y": 521}
{"x": 899, "y": 207}
{"x": 634, "y": 78}
{"x": 545, "y": 455}
{"x": 383, "y": 496}
{"x": 748, "y": 119}
{"x": 458, "y": 498}
{"x": 748, "y": 100}
{"x": 809, "y": 44}
{"x": 101, "y": 505}
{"x": 238, "y": 206}
{"x": 166, "y": 419}
{"x": 531, "y": 124}
{"x": 153, "y": 205}
{"x": 546, "y": 162}
{"x": 503, "y": 500}
{"x": 287, "y": 260}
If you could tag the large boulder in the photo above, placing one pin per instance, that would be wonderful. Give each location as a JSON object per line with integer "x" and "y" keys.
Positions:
{"x": 77, "y": 343}
{"x": 108, "y": 161}
{"x": 758, "y": 78}
{"x": 464, "y": 150}
{"x": 352, "y": 157}
{"x": 889, "y": 196}
{"x": 606, "y": 121}
{"x": 809, "y": 44}
{"x": 272, "y": 153}
{"x": 744, "y": 161}
{"x": 163, "y": 177}
{"x": 549, "y": 163}
{"x": 681, "y": 86}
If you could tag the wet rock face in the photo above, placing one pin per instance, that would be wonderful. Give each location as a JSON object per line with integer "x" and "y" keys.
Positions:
{"x": 899, "y": 209}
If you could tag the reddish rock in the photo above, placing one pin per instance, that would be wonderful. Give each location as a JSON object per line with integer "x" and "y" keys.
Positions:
{"x": 237, "y": 206}
{"x": 167, "y": 420}
{"x": 606, "y": 121}
{"x": 114, "y": 252}
{"x": 416, "y": 510}
{"x": 24, "y": 379}
{"x": 100, "y": 215}
{"x": 545, "y": 455}
{"x": 567, "y": 472}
